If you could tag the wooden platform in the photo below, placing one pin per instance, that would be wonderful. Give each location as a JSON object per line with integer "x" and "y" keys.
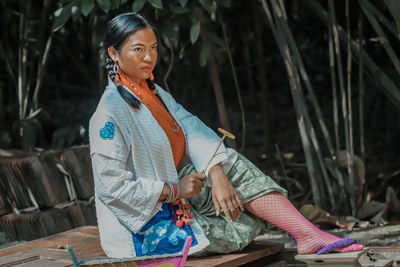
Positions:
{"x": 51, "y": 251}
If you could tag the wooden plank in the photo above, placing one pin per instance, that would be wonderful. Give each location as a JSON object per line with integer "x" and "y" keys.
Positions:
{"x": 45, "y": 263}
{"x": 85, "y": 242}
{"x": 42, "y": 254}
{"x": 17, "y": 259}
{"x": 61, "y": 240}
{"x": 251, "y": 253}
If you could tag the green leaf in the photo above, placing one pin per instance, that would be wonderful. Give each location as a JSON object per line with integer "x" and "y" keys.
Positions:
{"x": 156, "y": 3}
{"x": 206, "y": 5}
{"x": 178, "y": 9}
{"x": 195, "y": 32}
{"x": 217, "y": 40}
{"x": 33, "y": 114}
{"x": 104, "y": 5}
{"x": 62, "y": 18}
{"x": 213, "y": 11}
{"x": 138, "y": 5}
{"x": 87, "y": 7}
{"x": 225, "y": 3}
{"x": 183, "y": 2}
{"x": 57, "y": 13}
{"x": 205, "y": 53}
{"x": 76, "y": 13}
{"x": 394, "y": 8}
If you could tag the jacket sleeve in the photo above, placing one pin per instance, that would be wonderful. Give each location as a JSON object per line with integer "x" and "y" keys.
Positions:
{"x": 201, "y": 141}
{"x": 131, "y": 199}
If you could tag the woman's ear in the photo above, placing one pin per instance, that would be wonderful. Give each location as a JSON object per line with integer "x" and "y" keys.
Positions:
{"x": 112, "y": 53}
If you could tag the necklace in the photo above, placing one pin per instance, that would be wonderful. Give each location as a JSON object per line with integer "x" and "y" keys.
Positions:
{"x": 155, "y": 110}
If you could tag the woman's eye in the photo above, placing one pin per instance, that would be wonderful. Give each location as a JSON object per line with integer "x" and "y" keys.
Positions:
{"x": 137, "y": 49}
{"x": 154, "y": 47}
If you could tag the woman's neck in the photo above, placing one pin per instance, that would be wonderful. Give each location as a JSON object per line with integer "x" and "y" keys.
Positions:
{"x": 138, "y": 82}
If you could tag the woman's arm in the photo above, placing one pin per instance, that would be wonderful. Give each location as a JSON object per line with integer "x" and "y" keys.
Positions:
{"x": 131, "y": 199}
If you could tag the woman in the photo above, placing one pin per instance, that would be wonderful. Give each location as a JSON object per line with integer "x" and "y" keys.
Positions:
{"x": 139, "y": 139}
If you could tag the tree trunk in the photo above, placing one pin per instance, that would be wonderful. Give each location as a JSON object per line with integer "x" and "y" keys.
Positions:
{"x": 216, "y": 82}
{"x": 262, "y": 73}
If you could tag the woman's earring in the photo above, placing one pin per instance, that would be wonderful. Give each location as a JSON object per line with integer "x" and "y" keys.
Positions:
{"x": 115, "y": 68}
{"x": 151, "y": 76}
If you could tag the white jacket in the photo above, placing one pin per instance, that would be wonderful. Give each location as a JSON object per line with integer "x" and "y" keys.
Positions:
{"x": 131, "y": 166}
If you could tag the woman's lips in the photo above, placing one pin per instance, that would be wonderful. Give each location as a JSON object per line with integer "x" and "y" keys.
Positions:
{"x": 146, "y": 68}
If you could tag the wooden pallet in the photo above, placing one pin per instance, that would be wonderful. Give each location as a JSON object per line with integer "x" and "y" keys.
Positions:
{"x": 85, "y": 241}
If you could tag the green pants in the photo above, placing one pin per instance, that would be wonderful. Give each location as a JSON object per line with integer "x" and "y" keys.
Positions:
{"x": 225, "y": 237}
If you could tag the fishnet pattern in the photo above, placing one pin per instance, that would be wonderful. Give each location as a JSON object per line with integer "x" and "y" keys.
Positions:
{"x": 278, "y": 210}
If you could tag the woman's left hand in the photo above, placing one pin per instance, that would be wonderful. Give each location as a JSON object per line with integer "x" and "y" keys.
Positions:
{"x": 224, "y": 195}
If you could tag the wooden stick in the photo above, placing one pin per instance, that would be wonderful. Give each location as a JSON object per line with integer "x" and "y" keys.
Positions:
{"x": 226, "y": 134}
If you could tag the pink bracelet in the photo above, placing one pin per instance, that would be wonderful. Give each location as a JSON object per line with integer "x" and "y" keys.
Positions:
{"x": 175, "y": 191}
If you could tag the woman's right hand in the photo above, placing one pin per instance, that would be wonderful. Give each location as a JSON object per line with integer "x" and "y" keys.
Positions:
{"x": 191, "y": 184}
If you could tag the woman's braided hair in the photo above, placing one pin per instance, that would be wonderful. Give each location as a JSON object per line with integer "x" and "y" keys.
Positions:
{"x": 118, "y": 30}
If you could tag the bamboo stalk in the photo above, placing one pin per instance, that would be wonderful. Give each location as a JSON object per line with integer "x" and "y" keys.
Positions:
{"x": 314, "y": 101}
{"x": 235, "y": 79}
{"x": 389, "y": 87}
{"x": 171, "y": 63}
{"x": 334, "y": 88}
{"x": 349, "y": 146}
{"x": 294, "y": 83}
{"x": 41, "y": 72}
{"x": 315, "y": 143}
{"x": 386, "y": 45}
{"x": 383, "y": 19}
{"x": 361, "y": 89}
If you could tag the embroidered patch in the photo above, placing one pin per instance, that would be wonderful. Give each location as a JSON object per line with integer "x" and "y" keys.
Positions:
{"x": 107, "y": 132}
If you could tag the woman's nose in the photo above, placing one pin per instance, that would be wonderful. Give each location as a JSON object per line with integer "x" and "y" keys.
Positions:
{"x": 147, "y": 56}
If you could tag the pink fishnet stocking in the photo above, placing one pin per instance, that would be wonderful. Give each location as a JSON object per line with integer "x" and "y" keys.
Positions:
{"x": 277, "y": 209}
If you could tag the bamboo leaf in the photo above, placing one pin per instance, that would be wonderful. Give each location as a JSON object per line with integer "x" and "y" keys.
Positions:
{"x": 178, "y": 9}
{"x": 205, "y": 53}
{"x": 225, "y": 3}
{"x": 382, "y": 19}
{"x": 104, "y": 5}
{"x": 87, "y": 7}
{"x": 76, "y": 13}
{"x": 183, "y": 2}
{"x": 195, "y": 31}
{"x": 156, "y": 3}
{"x": 394, "y": 9}
{"x": 33, "y": 114}
{"x": 388, "y": 48}
{"x": 62, "y": 18}
{"x": 206, "y": 5}
{"x": 137, "y": 5}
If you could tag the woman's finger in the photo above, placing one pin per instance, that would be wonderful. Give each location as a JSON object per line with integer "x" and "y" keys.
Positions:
{"x": 239, "y": 202}
{"x": 217, "y": 207}
{"x": 236, "y": 212}
{"x": 233, "y": 208}
{"x": 227, "y": 211}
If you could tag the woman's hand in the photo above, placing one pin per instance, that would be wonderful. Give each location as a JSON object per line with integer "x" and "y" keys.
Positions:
{"x": 224, "y": 195}
{"x": 191, "y": 184}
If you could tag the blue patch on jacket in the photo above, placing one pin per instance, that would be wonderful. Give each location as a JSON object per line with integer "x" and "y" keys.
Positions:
{"x": 107, "y": 132}
{"x": 160, "y": 236}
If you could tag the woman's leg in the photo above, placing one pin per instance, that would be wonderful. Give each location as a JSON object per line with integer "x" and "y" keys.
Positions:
{"x": 278, "y": 210}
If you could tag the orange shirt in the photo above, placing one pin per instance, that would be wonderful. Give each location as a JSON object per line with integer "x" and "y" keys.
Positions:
{"x": 167, "y": 122}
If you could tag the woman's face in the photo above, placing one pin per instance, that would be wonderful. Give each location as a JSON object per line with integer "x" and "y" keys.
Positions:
{"x": 138, "y": 55}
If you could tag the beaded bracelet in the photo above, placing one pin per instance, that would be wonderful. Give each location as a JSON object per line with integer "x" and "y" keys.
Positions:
{"x": 174, "y": 191}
